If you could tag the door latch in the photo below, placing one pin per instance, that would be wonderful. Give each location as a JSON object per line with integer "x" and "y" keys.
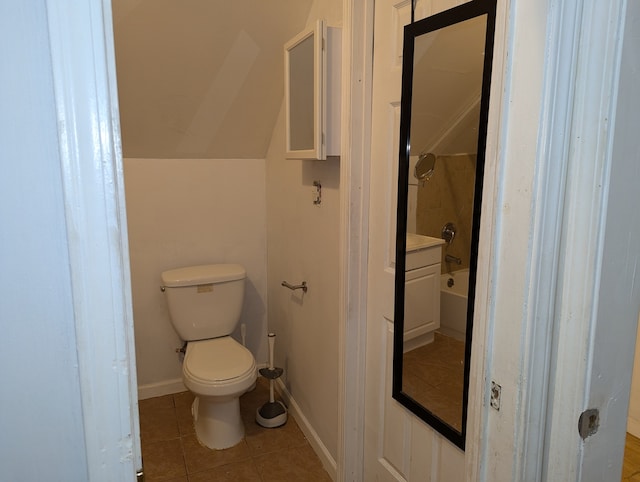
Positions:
{"x": 588, "y": 422}
{"x": 496, "y": 394}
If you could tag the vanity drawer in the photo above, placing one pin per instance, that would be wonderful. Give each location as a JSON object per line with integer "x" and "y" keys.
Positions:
{"x": 423, "y": 257}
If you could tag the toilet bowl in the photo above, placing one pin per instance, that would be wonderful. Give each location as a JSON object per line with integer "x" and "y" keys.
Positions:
{"x": 218, "y": 372}
{"x": 205, "y": 304}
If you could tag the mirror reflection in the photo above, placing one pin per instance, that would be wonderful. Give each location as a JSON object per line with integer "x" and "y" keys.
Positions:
{"x": 443, "y": 129}
{"x": 301, "y": 95}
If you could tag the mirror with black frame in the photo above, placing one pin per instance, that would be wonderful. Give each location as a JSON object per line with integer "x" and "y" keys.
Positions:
{"x": 443, "y": 122}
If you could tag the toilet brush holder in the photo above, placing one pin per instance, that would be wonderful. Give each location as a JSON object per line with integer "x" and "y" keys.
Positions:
{"x": 273, "y": 413}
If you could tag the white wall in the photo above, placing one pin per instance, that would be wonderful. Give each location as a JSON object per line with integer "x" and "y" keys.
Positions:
{"x": 41, "y": 424}
{"x": 183, "y": 212}
{"x": 303, "y": 244}
{"x": 195, "y": 77}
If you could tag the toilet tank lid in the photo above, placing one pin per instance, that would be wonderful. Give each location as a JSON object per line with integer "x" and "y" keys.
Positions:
{"x": 203, "y": 274}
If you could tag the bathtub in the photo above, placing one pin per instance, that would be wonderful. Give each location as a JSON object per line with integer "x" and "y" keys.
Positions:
{"x": 453, "y": 303}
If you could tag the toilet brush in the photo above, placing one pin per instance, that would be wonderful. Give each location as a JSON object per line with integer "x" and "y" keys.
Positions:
{"x": 273, "y": 413}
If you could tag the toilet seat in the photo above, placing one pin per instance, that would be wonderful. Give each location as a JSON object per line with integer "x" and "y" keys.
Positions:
{"x": 218, "y": 367}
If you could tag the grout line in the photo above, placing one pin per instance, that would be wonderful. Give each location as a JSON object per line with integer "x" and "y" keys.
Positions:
{"x": 251, "y": 456}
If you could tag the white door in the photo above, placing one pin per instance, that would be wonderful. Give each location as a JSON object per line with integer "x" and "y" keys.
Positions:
{"x": 398, "y": 445}
{"x": 560, "y": 252}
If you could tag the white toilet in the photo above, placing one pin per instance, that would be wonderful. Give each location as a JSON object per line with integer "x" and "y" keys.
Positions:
{"x": 204, "y": 305}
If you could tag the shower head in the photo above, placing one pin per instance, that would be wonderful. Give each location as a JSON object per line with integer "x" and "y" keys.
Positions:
{"x": 425, "y": 166}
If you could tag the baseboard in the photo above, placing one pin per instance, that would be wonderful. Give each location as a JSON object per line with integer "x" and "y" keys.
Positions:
{"x": 169, "y": 386}
{"x": 161, "y": 388}
{"x": 319, "y": 448}
{"x": 633, "y": 427}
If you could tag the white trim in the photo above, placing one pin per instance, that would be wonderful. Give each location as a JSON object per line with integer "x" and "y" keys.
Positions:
{"x": 159, "y": 389}
{"x": 328, "y": 462}
{"x": 581, "y": 379}
{"x": 169, "y": 387}
{"x": 476, "y": 447}
{"x": 633, "y": 426}
{"x": 542, "y": 351}
{"x": 546, "y": 229}
{"x": 357, "y": 64}
{"x": 88, "y": 129}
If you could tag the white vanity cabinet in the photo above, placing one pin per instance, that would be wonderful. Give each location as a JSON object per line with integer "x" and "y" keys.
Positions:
{"x": 422, "y": 290}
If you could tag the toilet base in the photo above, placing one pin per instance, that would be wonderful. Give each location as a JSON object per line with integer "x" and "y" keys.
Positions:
{"x": 217, "y": 421}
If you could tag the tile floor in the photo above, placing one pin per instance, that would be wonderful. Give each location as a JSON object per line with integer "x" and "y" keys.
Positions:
{"x": 631, "y": 463}
{"x": 433, "y": 375}
{"x": 171, "y": 452}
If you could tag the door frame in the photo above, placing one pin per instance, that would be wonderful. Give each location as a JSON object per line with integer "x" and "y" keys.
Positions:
{"x": 528, "y": 117}
{"x": 85, "y": 94}
{"x": 357, "y": 71}
{"x": 86, "y": 99}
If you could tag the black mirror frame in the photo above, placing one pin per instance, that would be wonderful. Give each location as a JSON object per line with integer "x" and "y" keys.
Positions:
{"x": 411, "y": 32}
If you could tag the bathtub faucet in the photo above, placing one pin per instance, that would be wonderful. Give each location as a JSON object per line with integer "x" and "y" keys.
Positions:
{"x": 452, "y": 259}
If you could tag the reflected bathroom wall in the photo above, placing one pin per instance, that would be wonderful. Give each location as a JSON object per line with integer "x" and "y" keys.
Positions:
{"x": 448, "y": 197}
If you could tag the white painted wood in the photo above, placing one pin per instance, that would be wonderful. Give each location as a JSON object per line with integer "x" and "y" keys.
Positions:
{"x": 477, "y": 448}
{"x": 333, "y": 92}
{"x": 89, "y": 141}
{"x": 396, "y": 423}
{"x": 42, "y": 430}
{"x": 379, "y": 408}
{"x": 398, "y": 446}
{"x": 508, "y": 331}
{"x": 421, "y": 453}
{"x": 354, "y": 178}
{"x": 151, "y": 390}
{"x": 600, "y": 297}
{"x": 551, "y": 219}
{"x": 297, "y": 80}
{"x": 325, "y": 81}
{"x": 516, "y": 303}
{"x": 619, "y": 292}
{"x": 450, "y": 464}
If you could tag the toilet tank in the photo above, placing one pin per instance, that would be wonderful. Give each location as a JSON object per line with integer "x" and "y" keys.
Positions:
{"x": 204, "y": 301}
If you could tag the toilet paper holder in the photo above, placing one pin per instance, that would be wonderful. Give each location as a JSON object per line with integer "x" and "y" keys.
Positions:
{"x": 302, "y": 286}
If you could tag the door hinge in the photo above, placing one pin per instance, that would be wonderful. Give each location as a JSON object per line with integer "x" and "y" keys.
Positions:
{"x": 140, "y": 475}
{"x": 588, "y": 422}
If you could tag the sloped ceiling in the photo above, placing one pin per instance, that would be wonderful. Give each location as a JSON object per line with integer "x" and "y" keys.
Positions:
{"x": 447, "y": 83}
{"x": 201, "y": 78}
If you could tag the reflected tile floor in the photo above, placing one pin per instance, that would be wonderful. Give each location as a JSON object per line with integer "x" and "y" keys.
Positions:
{"x": 433, "y": 375}
{"x": 172, "y": 453}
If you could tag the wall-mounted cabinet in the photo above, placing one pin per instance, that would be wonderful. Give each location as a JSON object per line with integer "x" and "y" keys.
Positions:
{"x": 312, "y": 93}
